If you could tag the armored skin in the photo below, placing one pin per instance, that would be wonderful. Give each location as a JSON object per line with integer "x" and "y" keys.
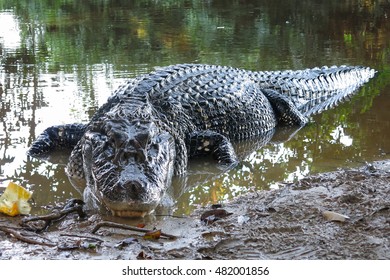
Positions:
{"x": 126, "y": 155}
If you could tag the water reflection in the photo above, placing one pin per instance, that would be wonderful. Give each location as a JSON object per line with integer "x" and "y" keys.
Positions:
{"x": 60, "y": 61}
{"x": 10, "y": 31}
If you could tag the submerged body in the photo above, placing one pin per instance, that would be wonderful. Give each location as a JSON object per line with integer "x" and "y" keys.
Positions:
{"x": 150, "y": 127}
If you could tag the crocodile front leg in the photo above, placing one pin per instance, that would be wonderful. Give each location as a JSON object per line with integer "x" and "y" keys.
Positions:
{"x": 56, "y": 137}
{"x": 208, "y": 142}
{"x": 181, "y": 161}
{"x": 74, "y": 169}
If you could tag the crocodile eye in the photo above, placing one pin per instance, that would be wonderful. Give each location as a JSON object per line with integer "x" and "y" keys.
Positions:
{"x": 87, "y": 149}
{"x": 143, "y": 139}
{"x": 153, "y": 151}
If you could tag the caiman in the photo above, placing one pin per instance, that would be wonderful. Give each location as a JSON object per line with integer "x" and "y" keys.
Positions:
{"x": 127, "y": 154}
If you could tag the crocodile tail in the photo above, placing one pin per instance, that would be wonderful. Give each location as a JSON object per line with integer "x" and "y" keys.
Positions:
{"x": 317, "y": 89}
{"x": 56, "y": 137}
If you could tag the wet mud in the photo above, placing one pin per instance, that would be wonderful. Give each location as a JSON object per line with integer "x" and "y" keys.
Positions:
{"x": 337, "y": 215}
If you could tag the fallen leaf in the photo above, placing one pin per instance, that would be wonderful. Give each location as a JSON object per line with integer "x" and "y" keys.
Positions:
{"x": 14, "y": 200}
{"x": 143, "y": 256}
{"x": 153, "y": 235}
{"x": 272, "y": 210}
{"x": 89, "y": 245}
{"x": 140, "y": 225}
{"x": 126, "y": 242}
{"x": 334, "y": 217}
{"x": 211, "y": 216}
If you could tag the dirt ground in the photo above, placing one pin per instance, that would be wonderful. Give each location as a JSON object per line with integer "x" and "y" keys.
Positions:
{"x": 337, "y": 215}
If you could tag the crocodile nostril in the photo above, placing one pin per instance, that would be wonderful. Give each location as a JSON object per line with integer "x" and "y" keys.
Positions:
{"x": 134, "y": 188}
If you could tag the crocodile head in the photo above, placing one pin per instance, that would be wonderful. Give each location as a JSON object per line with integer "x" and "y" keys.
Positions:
{"x": 128, "y": 165}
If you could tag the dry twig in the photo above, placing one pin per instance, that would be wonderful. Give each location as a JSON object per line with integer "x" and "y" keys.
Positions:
{"x": 127, "y": 227}
{"x": 23, "y": 237}
{"x": 74, "y": 205}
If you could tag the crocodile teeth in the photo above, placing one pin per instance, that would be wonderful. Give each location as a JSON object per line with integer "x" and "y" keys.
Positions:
{"x": 128, "y": 213}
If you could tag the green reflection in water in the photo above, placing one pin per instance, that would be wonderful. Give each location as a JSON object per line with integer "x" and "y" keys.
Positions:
{"x": 60, "y": 60}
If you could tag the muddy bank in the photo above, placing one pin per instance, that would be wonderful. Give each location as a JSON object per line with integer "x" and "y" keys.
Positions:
{"x": 289, "y": 223}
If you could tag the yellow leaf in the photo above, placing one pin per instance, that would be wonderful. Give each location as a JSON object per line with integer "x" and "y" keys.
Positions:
{"x": 14, "y": 200}
{"x": 153, "y": 235}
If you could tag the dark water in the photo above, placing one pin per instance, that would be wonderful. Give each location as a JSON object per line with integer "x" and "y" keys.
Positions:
{"x": 60, "y": 60}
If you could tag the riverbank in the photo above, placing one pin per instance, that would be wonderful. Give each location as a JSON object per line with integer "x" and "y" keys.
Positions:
{"x": 336, "y": 215}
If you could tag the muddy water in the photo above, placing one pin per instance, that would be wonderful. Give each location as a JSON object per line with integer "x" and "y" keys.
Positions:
{"x": 59, "y": 62}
